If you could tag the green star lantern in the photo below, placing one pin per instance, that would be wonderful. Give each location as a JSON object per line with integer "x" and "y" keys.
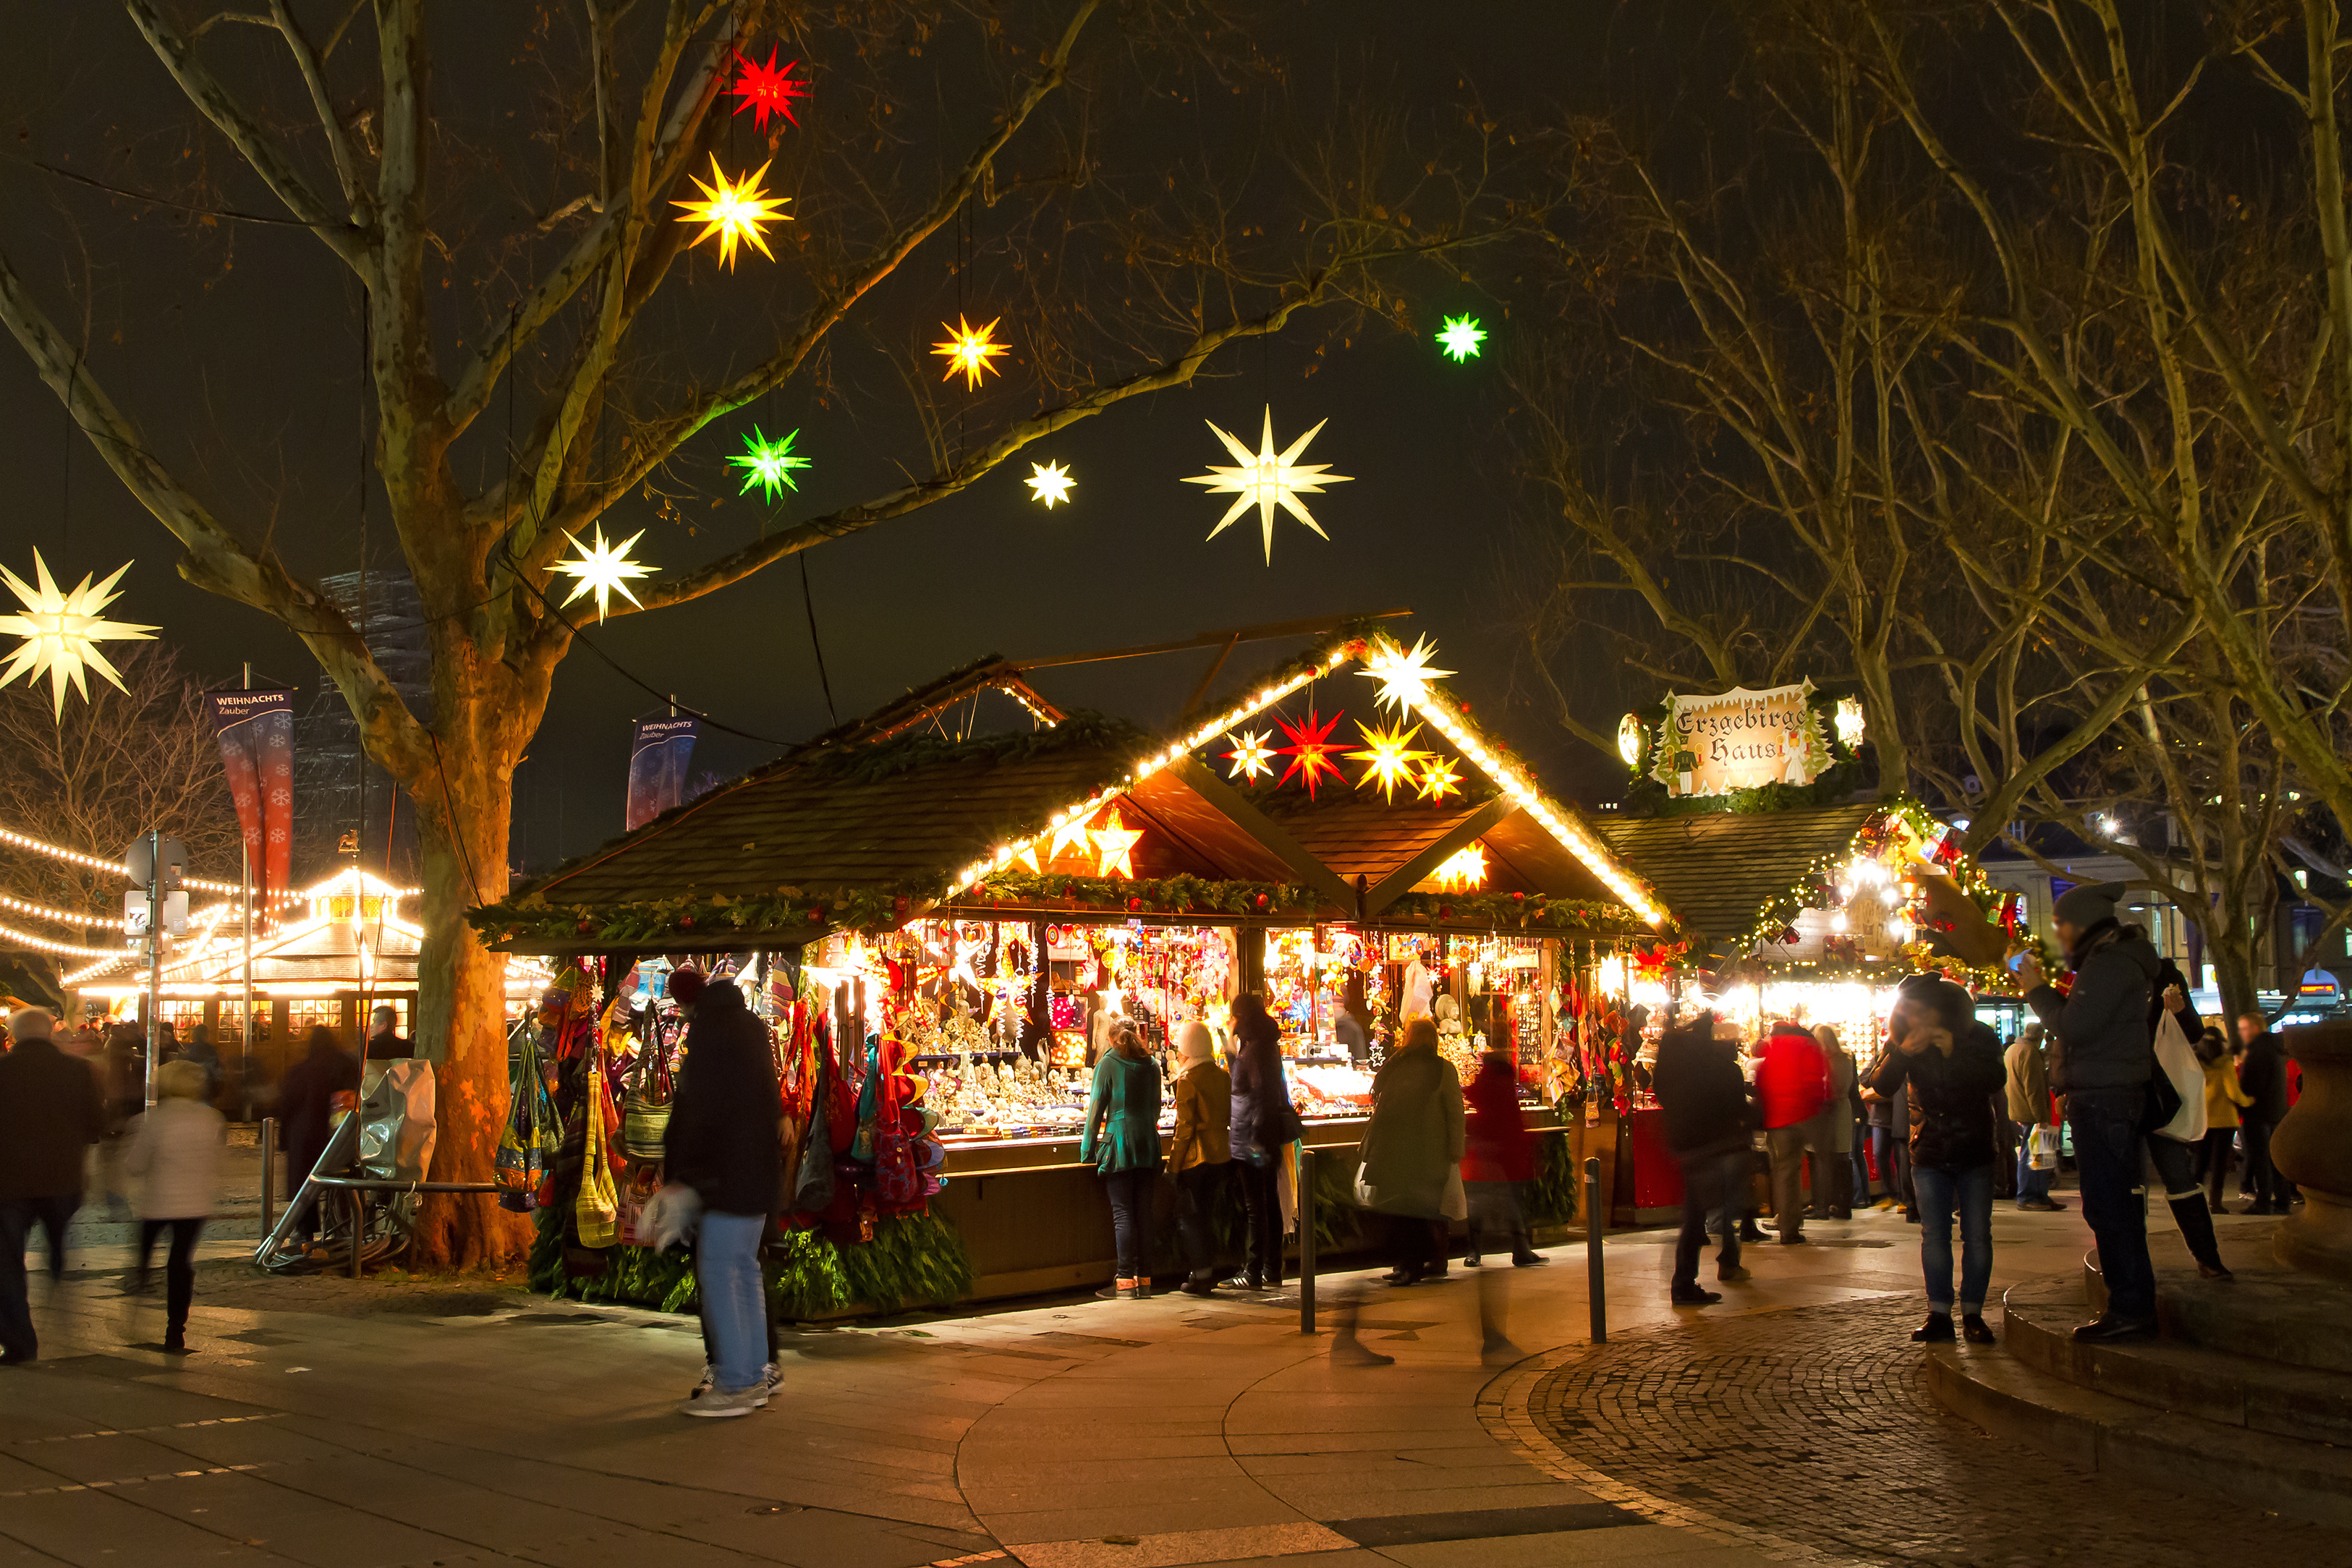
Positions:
{"x": 769, "y": 463}
{"x": 1461, "y": 337}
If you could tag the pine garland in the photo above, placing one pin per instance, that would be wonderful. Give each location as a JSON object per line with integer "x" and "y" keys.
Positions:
{"x": 913, "y": 1259}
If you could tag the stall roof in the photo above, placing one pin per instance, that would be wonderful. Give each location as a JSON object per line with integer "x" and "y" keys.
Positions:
{"x": 1717, "y": 870}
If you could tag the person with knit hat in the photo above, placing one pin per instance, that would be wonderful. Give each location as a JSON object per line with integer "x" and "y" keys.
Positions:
{"x": 1951, "y": 1065}
{"x": 1200, "y": 1151}
{"x": 2105, "y": 1059}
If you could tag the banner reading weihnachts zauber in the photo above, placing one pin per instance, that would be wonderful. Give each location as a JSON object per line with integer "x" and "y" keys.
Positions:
{"x": 256, "y": 742}
{"x": 657, "y": 760}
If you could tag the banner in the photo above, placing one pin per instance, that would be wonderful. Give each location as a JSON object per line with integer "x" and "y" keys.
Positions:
{"x": 1740, "y": 740}
{"x": 256, "y": 742}
{"x": 657, "y": 760}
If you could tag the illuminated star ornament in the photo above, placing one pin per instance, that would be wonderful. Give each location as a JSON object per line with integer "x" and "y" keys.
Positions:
{"x": 62, "y": 630}
{"x": 733, "y": 210}
{"x": 1387, "y": 756}
{"x": 1438, "y": 779}
{"x": 1267, "y": 480}
{"x": 1404, "y": 674}
{"x": 1251, "y": 756}
{"x": 765, "y": 91}
{"x": 1463, "y": 871}
{"x": 603, "y": 570}
{"x": 1048, "y": 482}
{"x": 1461, "y": 337}
{"x": 1310, "y": 751}
{"x": 970, "y": 349}
{"x": 1113, "y": 847}
{"x": 769, "y": 463}
{"x": 1070, "y": 834}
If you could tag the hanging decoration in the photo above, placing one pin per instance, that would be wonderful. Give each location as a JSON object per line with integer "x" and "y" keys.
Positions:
{"x": 1047, "y": 482}
{"x": 970, "y": 350}
{"x": 765, "y": 91}
{"x": 1070, "y": 832}
{"x": 1266, "y": 480}
{"x": 1461, "y": 337}
{"x": 1438, "y": 779}
{"x": 604, "y": 569}
{"x": 1310, "y": 750}
{"x": 1114, "y": 847}
{"x": 1462, "y": 871}
{"x": 62, "y": 630}
{"x": 1251, "y": 757}
{"x": 733, "y": 210}
{"x": 1387, "y": 756}
{"x": 767, "y": 463}
{"x": 1404, "y": 674}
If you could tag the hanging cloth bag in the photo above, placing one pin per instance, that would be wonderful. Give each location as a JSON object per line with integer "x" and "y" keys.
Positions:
{"x": 529, "y": 1134}
{"x": 813, "y": 1183}
{"x": 597, "y": 1212}
{"x": 645, "y": 1105}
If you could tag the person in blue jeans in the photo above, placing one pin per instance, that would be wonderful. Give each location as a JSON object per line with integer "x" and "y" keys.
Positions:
{"x": 1951, "y": 1066}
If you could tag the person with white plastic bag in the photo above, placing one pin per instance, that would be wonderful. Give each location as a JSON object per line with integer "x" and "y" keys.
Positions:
{"x": 2027, "y": 1066}
{"x": 2173, "y": 1147}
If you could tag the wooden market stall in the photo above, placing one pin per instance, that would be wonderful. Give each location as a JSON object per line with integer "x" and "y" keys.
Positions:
{"x": 967, "y": 909}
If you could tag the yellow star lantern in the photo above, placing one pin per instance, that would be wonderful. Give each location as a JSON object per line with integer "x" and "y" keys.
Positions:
{"x": 970, "y": 349}
{"x": 1069, "y": 835}
{"x": 1463, "y": 870}
{"x": 603, "y": 570}
{"x": 1404, "y": 674}
{"x": 1047, "y": 482}
{"x": 1387, "y": 756}
{"x": 733, "y": 210}
{"x": 1251, "y": 756}
{"x": 1266, "y": 480}
{"x": 1438, "y": 779}
{"x": 62, "y": 630}
{"x": 1114, "y": 846}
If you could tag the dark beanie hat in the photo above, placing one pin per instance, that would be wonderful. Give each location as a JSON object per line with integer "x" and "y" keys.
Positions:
{"x": 2085, "y": 906}
{"x": 686, "y": 986}
{"x": 1950, "y": 1000}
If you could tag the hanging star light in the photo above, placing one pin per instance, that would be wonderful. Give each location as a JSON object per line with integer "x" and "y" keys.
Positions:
{"x": 765, "y": 91}
{"x": 1251, "y": 756}
{"x": 1463, "y": 871}
{"x": 970, "y": 349}
{"x": 733, "y": 210}
{"x": 769, "y": 463}
{"x": 1048, "y": 482}
{"x": 1114, "y": 846}
{"x": 1025, "y": 854}
{"x": 1310, "y": 751}
{"x": 1438, "y": 779}
{"x": 1266, "y": 480}
{"x": 1461, "y": 337}
{"x": 62, "y": 630}
{"x": 1404, "y": 674}
{"x": 604, "y": 569}
{"x": 1071, "y": 833}
{"x": 1387, "y": 756}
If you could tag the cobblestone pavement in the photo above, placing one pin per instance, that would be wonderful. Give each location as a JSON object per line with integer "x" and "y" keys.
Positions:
{"x": 1813, "y": 1429}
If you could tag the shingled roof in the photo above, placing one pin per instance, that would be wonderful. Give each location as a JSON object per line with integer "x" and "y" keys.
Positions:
{"x": 1717, "y": 870}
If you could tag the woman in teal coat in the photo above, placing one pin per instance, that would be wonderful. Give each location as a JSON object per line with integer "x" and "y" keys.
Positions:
{"x": 1122, "y": 1142}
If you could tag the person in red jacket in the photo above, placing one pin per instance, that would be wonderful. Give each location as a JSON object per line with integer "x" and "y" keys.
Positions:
{"x": 1497, "y": 1154}
{"x": 1792, "y": 1084}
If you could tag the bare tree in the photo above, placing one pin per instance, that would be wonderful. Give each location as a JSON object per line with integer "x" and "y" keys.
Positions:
{"x": 1047, "y": 138}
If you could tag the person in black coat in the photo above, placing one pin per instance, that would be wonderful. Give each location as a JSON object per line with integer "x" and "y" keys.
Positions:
{"x": 1262, "y": 1113}
{"x": 723, "y": 1141}
{"x": 307, "y": 1102}
{"x": 1951, "y": 1065}
{"x": 50, "y": 1114}
{"x": 1708, "y": 1110}
{"x": 2262, "y": 1075}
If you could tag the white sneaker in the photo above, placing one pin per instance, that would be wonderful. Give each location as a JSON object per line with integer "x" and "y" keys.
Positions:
{"x": 703, "y": 1387}
{"x": 772, "y": 1378}
{"x": 721, "y": 1402}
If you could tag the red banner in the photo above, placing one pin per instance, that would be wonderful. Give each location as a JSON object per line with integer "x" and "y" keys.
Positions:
{"x": 256, "y": 742}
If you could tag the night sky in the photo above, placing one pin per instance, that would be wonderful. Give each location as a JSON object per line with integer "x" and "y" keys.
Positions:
{"x": 236, "y": 349}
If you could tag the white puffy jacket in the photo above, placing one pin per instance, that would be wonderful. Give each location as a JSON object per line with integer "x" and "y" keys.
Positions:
{"x": 175, "y": 1156}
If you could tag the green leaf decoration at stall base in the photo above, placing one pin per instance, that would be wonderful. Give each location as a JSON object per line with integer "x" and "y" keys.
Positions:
{"x": 1509, "y": 912}
{"x": 1148, "y": 895}
{"x": 913, "y": 1260}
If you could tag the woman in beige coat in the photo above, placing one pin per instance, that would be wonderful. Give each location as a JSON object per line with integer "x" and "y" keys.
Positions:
{"x": 1199, "y": 1152}
{"x": 174, "y": 1170}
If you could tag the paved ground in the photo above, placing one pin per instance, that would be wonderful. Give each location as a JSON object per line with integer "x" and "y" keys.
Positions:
{"x": 399, "y": 1423}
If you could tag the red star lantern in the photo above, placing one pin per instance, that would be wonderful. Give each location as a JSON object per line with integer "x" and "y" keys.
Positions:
{"x": 765, "y": 91}
{"x": 1310, "y": 751}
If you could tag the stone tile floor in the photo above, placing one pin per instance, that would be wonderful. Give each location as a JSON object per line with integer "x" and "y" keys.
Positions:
{"x": 402, "y": 1424}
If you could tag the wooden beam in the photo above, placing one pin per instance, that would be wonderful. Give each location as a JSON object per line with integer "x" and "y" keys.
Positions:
{"x": 1202, "y": 780}
{"x": 1399, "y": 883}
{"x": 1212, "y": 638}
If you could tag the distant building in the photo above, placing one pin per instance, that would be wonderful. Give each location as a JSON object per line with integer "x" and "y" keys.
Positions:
{"x": 347, "y": 810}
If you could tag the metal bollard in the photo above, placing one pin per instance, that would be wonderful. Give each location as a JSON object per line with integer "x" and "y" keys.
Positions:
{"x": 268, "y": 1173}
{"x": 1306, "y": 1239}
{"x": 1596, "y": 1275}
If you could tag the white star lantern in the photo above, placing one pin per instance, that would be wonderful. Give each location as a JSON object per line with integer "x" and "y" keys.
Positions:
{"x": 62, "y": 630}
{"x": 1049, "y": 482}
{"x": 1266, "y": 480}
{"x": 1404, "y": 674}
{"x": 603, "y": 570}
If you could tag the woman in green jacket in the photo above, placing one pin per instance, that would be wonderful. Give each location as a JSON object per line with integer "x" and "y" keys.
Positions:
{"x": 1122, "y": 1142}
